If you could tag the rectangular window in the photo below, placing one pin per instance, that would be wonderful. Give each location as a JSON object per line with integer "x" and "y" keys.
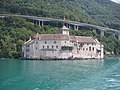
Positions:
{"x": 52, "y": 46}
{"x": 27, "y": 50}
{"x": 54, "y": 42}
{"x": 45, "y": 42}
{"x": 93, "y": 48}
{"x": 36, "y": 42}
{"x": 56, "y": 46}
{"x": 89, "y": 48}
{"x": 47, "y": 46}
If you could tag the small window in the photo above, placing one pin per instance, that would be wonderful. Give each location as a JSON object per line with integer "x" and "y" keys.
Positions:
{"x": 36, "y": 48}
{"x": 36, "y": 42}
{"x": 65, "y": 41}
{"x": 45, "y": 42}
{"x": 81, "y": 44}
{"x": 43, "y": 47}
{"x": 93, "y": 48}
{"x": 87, "y": 44}
{"x": 83, "y": 49}
{"x": 27, "y": 50}
{"x": 47, "y": 46}
{"x": 54, "y": 42}
{"x": 52, "y": 46}
{"x": 86, "y": 48}
{"x": 56, "y": 46}
{"x": 79, "y": 48}
{"x": 89, "y": 48}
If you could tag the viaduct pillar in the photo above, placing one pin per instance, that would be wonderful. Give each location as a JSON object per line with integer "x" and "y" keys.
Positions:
{"x": 75, "y": 27}
{"x": 102, "y": 33}
{"x": 41, "y": 23}
{"x": 119, "y": 36}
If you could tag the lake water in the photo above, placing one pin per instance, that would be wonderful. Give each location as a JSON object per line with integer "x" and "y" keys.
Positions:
{"x": 60, "y": 75}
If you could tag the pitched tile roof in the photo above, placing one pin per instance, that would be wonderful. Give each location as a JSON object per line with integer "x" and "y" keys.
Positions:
{"x": 82, "y": 39}
{"x": 85, "y": 39}
{"x": 54, "y": 37}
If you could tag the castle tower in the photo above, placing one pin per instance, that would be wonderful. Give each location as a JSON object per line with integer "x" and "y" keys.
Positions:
{"x": 65, "y": 30}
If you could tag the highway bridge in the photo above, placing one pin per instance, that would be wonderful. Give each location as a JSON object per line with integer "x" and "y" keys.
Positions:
{"x": 40, "y": 21}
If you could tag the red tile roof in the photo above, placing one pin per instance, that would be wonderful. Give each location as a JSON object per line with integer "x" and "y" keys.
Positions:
{"x": 84, "y": 39}
{"x": 54, "y": 37}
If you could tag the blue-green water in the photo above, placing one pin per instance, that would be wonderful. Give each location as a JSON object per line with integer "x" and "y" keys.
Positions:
{"x": 60, "y": 75}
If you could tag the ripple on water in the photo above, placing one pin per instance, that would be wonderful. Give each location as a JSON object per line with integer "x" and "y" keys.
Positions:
{"x": 60, "y": 75}
{"x": 36, "y": 89}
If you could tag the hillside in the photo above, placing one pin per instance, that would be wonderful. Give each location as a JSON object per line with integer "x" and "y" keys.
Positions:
{"x": 100, "y": 12}
{"x": 15, "y": 31}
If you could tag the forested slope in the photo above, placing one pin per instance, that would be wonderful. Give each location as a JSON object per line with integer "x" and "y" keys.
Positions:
{"x": 100, "y": 12}
{"x": 15, "y": 31}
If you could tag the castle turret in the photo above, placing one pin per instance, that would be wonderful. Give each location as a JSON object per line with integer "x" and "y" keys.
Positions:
{"x": 65, "y": 30}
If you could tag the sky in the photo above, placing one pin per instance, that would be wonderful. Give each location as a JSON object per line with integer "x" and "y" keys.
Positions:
{"x": 117, "y": 1}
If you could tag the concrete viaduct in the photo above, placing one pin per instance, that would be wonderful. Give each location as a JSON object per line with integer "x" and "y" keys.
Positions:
{"x": 40, "y": 21}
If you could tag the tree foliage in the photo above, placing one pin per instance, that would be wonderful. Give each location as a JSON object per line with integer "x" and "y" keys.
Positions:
{"x": 14, "y": 31}
{"x": 100, "y": 12}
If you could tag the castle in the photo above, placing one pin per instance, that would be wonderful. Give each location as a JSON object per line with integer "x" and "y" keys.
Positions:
{"x": 62, "y": 46}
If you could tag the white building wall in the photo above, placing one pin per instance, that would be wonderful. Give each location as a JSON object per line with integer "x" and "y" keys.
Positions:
{"x": 67, "y": 43}
{"x": 36, "y": 49}
{"x": 49, "y": 48}
{"x": 28, "y": 51}
{"x": 49, "y": 43}
{"x": 52, "y": 49}
{"x": 65, "y": 32}
{"x": 49, "y": 54}
{"x": 87, "y": 50}
{"x": 100, "y": 54}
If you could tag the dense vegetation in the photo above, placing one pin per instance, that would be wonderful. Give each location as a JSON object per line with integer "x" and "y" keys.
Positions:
{"x": 100, "y": 12}
{"x": 14, "y": 31}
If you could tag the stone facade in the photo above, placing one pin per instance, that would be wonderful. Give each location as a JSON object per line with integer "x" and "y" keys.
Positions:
{"x": 62, "y": 46}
